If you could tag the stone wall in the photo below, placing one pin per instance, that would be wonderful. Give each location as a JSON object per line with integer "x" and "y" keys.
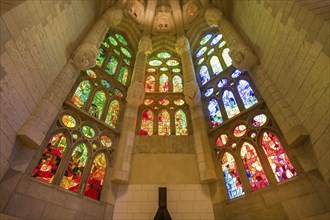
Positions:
{"x": 37, "y": 39}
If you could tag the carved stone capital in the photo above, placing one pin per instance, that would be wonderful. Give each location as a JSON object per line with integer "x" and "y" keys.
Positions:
{"x": 85, "y": 56}
{"x": 145, "y": 44}
{"x": 213, "y": 16}
{"x": 135, "y": 94}
{"x": 243, "y": 57}
{"x": 113, "y": 16}
{"x": 182, "y": 45}
{"x": 192, "y": 94}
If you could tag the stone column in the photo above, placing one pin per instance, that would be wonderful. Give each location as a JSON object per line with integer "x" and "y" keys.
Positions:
{"x": 35, "y": 128}
{"x": 242, "y": 55}
{"x": 135, "y": 97}
{"x": 193, "y": 98}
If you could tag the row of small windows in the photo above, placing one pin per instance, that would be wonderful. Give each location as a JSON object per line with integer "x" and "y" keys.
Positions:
{"x": 164, "y": 84}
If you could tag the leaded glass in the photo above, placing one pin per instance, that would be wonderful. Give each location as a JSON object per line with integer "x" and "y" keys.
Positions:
{"x": 210, "y": 51}
{"x": 91, "y": 73}
{"x": 112, "y": 66}
{"x": 181, "y": 126}
{"x": 236, "y": 74}
{"x": 69, "y": 121}
{"x": 164, "y": 123}
{"x": 216, "y": 40}
{"x": 230, "y": 173}
{"x": 172, "y": 62}
{"x": 123, "y": 74}
{"x": 209, "y": 92}
{"x": 215, "y": 114}
{"x": 226, "y": 57}
{"x": 105, "y": 83}
{"x": 163, "y": 68}
{"x": 147, "y": 123}
{"x": 277, "y": 157}
{"x": 246, "y": 93}
{"x": 164, "y": 101}
{"x": 259, "y": 120}
{"x": 230, "y": 104}
{"x": 105, "y": 44}
{"x": 215, "y": 65}
{"x": 50, "y": 159}
{"x": 88, "y": 131}
{"x": 204, "y": 74}
{"x": 121, "y": 39}
{"x": 106, "y": 141}
{"x": 163, "y": 55}
{"x": 177, "y": 84}
{"x": 75, "y": 168}
{"x": 119, "y": 93}
{"x": 205, "y": 39}
{"x": 222, "y": 82}
{"x": 179, "y": 102}
{"x": 201, "y": 51}
{"x": 150, "y": 84}
{"x": 81, "y": 94}
{"x": 253, "y": 168}
{"x": 201, "y": 60}
{"x": 163, "y": 83}
{"x": 98, "y": 103}
{"x": 127, "y": 61}
{"x": 222, "y": 140}
{"x": 176, "y": 70}
{"x": 149, "y": 101}
{"x": 116, "y": 52}
{"x": 112, "y": 41}
{"x": 223, "y": 43}
{"x": 126, "y": 52}
{"x": 100, "y": 57}
{"x": 151, "y": 70}
{"x": 239, "y": 130}
{"x": 113, "y": 114}
{"x": 155, "y": 62}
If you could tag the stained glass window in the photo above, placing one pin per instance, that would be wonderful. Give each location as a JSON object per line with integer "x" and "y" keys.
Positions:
{"x": 209, "y": 92}
{"x": 51, "y": 158}
{"x": 177, "y": 84}
{"x": 164, "y": 101}
{"x": 222, "y": 140}
{"x": 259, "y": 120}
{"x": 181, "y": 126}
{"x": 100, "y": 57}
{"x": 215, "y": 114}
{"x": 81, "y": 94}
{"x": 222, "y": 82}
{"x": 112, "y": 66}
{"x": 121, "y": 39}
{"x": 179, "y": 102}
{"x": 123, "y": 74}
{"x": 172, "y": 62}
{"x": 75, "y": 168}
{"x": 163, "y": 55}
{"x": 96, "y": 177}
{"x": 98, "y": 103}
{"x": 201, "y": 51}
{"x": 105, "y": 83}
{"x": 216, "y": 65}
{"x": 150, "y": 84}
{"x": 226, "y": 57}
{"x": 253, "y": 168}
{"x": 204, "y": 74}
{"x": 69, "y": 121}
{"x": 155, "y": 63}
{"x": 113, "y": 113}
{"x": 278, "y": 159}
{"x": 230, "y": 172}
{"x": 106, "y": 141}
{"x": 163, "y": 83}
{"x": 205, "y": 39}
{"x": 113, "y": 41}
{"x": 246, "y": 93}
{"x": 88, "y": 131}
{"x": 216, "y": 39}
{"x": 239, "y": 130}
{"x": 147, "y": 124}
{"x": 126, "y": 52}
{"x": 164, "y": 123}
{"x": 230, "y": 104}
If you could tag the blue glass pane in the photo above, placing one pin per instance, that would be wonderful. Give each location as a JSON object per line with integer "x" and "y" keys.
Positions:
{"x": 222, "y": 82}
{"x": 204, "y": 74}
{"x": 201, "y": 51}
{"x": 230, "y": 104}
{"x": 216, "y": 39}
{"x": 246, "y": 93}
{"x": 235, "y": 74}
{"x": 215, "y": 114}
{"x": 209, "y": 92}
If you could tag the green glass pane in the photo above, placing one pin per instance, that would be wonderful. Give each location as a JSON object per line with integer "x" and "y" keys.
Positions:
{"x": 163, "y": 55}
{"x": 113, "y": 41}
{"x": 100, "y": 57}
{"x": 123, "y": 74}
{"x": 201, "y": 61}
{"x": 155, "y": 62}
{"x": 223, "y": 43}
{"x": 113, "y": 114}
{"x": 105, "y": 44}
{"x": 112, "y": 66}
{"x": 210, "y": 51}
{"x": 121, "y": 39}
{"x": 105, "y": 83}
{"x": 98, "y": 104}
{"x": 116, "y": 52}
{"x": 172, "y": 62}
{"x": 126, "y": 52}
{"x": 91, "y": 73}
{"x": 176, "y": 70}
{"x": 201, "y": 51}
{"x": 127, "y": 61}
{"x": 81, "y": 94}
{"x": 181, "y": 126}
{"x": 205, "y": 39}
{"x": 163, "y": 69}
{"x": 88, "y": 131}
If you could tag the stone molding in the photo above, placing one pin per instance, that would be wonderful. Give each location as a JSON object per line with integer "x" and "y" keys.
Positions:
{"x": 145, "y": 44}
{"x": 243, "y": 57}
{"x": 85, "y": 56}
{"x": 192, "y": 94}
{"x": 182, "y": 45}
{"x": 135, "y": 94}
{"x": 213, "y": 16}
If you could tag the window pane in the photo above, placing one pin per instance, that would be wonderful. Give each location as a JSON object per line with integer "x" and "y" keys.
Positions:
{"x": 177, "y": 84}
{"x": 81, "y": 94}
{"x": 181, "y": 126}
{"x": 147, "y": 123}
{"x": 123, "y": 74}
{"x": 112, "y": 66}
{"x": 226, "y": 57}
{"x": 230, "y": 104}
{"x": 163, "y": 83}
{"x": 216, "y": 65}
{"x": 204, "y": 74}
{"x": 215, "y": 114}
{"x": 164, "y": 123}
{"x": 100, "y": 57}
{"x": 98, "y": 104}
{"x": 113, "y": 114}
{"x": 150, "y": 84}
{"x": 246, "y": 93}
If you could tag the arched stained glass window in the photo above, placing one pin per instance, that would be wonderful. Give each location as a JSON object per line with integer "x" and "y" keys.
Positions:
{"x": 204, "y": 75}
{"x": 177, "y": 84}
{"x": 226, "y": 57}
{"x": 123, "y": 74}
{"x": 216, "y": 65}
{"x": 113, "y": 114}
{"x": 215, "y": 114}
{"x": 230, "y": 104}
{"x": 253, "y": 167}
{"x": 246, "y": 93}
{"x": 278, "y": 159}
{"x": 75, "y": 168}
{"x": 147, "y": 123}
{"x": 233, "y": 182}
{"x": 96, "y": 177}
{"x": 163, "y": 83}
{"x": 98, "y": 104}
{"x": 81, "y": 94}
{"x": 181, "y": 126}
{"x": 164, "y": 123}
{"x": 150, "y": 85}
{"x": 51, "y": 158}
{"x": 112, "y": 66}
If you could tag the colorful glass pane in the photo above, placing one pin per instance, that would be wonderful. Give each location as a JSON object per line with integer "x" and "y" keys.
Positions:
{"x": 210, "y": 52}
{"x": 149, "y": 101}
{"x": 163, "y": 68}
{"x": 113, "y": 114}
{"x": 201, "y": 51}
{"x": 105, "y": 83}
{"x": 116, "y": 52}
{"x": 181, "y": 126}
{"x": 75, "y": 168}
{"x": 226, "y": 57}
{"x": 155, "y": 62}
{"x": 216, "y": 39}
{"x": 205, "y": 39}
{"x": 253, "y": 168}
{"x": 123, "y": 74}
{"x": 163, "y": 55}
{"x": 209, "y": 92}
{"x": 278, "y": 159}
{"x": 95, "y": 146}
{"x": 98, "y": 103}
{"x": 81, "y": 94}
{"x": 177, "y": 84}
{"x": 126, "y": 52}
{"x": 69, "y": 121}
{"x": 233, "y": 145}
{"x": 230, "y": 104}
{"x": 222, "y": 82}
{"x": 112, "y": 41}
{"x": 179, "y": 102}
{"x": 223, "y": 43}
{"x": 104, "y": 43}
{"x": 112, "y": 66}
{"x": 127, "y": 61}
{"x": 151, "y": 70}
{"x": 215, "y": 114}
{"x": 150, "y": 84}
{"x": 176, "y": 70}
{"x": 164, "y": 101}
{"x": 222, "y": 140}
{"x": 100, "y": 57}
{"x": 172, "y": 62}
{"x": 230, "y": 173}
{"x": 88, "y": 131}
{"x": 259, "y": 120}
{"x": 91, "y": 73}
{"x": 239, "y": 130}
{"x": 50, "y": 159}
{"x": 121, "y": 39}
{"x": 236, "y": 74}
{"x": 204, "y": 74}
{"x": 119, "y": 93}
{"x": 164, "y": 123}
{"x": 163, "y": 83}
{"x": 201, "y": 61}
{"x": 246, "y": 93}
{"x": 147, "y": 123}
{"x": 216, "y": 65}
{"x": 96, "y": 176}
{"x": 106, "y": 141}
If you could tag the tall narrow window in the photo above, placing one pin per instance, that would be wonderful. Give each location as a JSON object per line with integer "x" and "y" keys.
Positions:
{"x": 181, "y": 126}
{"x": 177, "y": 84}
{"x": 123, "y": 74}
{"x": 233, "y": 182}
{"x": 215, "y": 114}
{"x": 163, "y": 83}
{"x": 98, "y": 104}
{"x": 230, "y": 104}
{"x": 100, "y": 57}
{"x": 150, "y": 84}
{"x": 277, "y": 157}
{"x": 113, "y": 114}
{"x": 226, "y": 57}
{"x": 112, "y": 66}
{"x": 216, "y": 65}
{"x": 96, "y": 177}
{"x": 246, "y": 93}
{"x": 147, "y": 123}
{"x": 204, "y": 75}
{"x": 81, "y": 94}
{"x": 164, "y": 124}
{"x": 51, "y": 158}
{"x": 75, "y": 169}
{"x": 253, "y": 168}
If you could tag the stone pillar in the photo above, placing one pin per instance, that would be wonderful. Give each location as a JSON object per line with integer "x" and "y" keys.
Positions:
{"x": 135, "y": 97}
{"x": 193, "y": 98}
{"x": 293, "y": 130}
{"x": 242, "y": 55}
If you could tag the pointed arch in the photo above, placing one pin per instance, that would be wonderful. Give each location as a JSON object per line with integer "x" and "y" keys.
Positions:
{"x": 81, "y": 94}
{"x": 164, "y": 123}
{"x": 230, "y": 103}
{"x": 246, "y": 93}
{"x": 98, "y": 104}
{"x": 147, "y": 122}
{"x": 177, "y": 84}
{"x": 214, "y": 112}
{"x": 204, "y": 74}
{"x": 181, "y": 126}
{"x": 113, "y": 113}
{"x": 112, "y": 66}
{"x": 216, "y": 65}
{"x": 150, "y": 84}
{"x": 164, "y": 83}
{"x": 226, "y": 57}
